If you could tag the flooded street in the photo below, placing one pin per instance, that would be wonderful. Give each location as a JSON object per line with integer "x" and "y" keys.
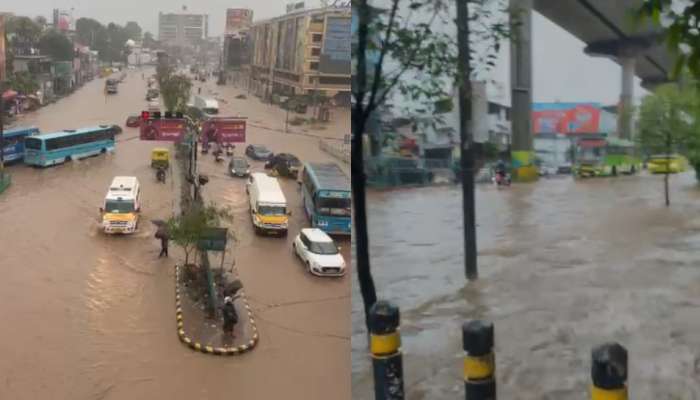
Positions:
{"x": 564, "y": 265}
{"x": 90, "y": 316}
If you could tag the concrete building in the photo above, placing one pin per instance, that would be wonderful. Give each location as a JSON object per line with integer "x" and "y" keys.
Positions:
{"x": 557, "y": 127}
{"x": 182, "y": 29}
{"x": 301, "y": 53}
{"x": 236, "y": 51}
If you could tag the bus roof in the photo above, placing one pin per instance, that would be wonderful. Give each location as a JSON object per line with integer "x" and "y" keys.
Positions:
{"x": 72, "y": 132}
{"x": 328, "y": 176}
{"x": 30, "y": 130}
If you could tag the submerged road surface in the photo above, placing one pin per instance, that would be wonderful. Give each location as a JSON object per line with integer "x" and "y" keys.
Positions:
{"x": 90, "y": 316}
{"x": 564, "y": 265}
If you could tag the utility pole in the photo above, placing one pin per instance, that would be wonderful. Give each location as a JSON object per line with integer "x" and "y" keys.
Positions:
{"x": 465, "y": 135}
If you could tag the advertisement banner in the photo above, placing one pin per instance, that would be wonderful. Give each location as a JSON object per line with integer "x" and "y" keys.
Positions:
{"x": 237, "y": 19}
{"x": 166, "y": 130}
{"x": 566, "y": 118}
{"x": 335, "y": 55}
{"x": 224, "y": 130}
{"x": 2, "y": 48}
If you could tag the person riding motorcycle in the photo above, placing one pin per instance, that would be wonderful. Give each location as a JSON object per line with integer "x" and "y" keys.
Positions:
{"x": 501, "y": 172}
{"x": 160, "y": 174}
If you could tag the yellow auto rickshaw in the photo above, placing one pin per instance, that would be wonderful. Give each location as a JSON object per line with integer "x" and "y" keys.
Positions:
{"x": 160, "y": 158}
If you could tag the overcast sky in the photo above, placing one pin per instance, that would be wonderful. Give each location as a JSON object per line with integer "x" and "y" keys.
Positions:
{"x": 561, "y": 70}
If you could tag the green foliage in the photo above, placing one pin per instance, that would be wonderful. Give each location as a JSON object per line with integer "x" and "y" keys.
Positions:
{"x": 55, "y": 44}
{"x": 668, "y": 120}
{"x": 108, "y": 40}
{"x": 149, "y": 41}
{"x": 133, "y": 30}
{"x": 682, "y": 34}
{"x": 24, "y": 32}
{"x": 175, "y": 90}
{"x": 187, "y": 229}
{"x": 23, "y": 82}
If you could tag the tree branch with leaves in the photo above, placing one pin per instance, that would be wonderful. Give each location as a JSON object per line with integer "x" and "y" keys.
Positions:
{"x": 409, "y": 36}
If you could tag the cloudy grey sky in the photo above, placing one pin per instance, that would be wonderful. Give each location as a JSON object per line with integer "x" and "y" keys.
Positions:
{"x": 145, "y": 12}
{"x": 561, "y": 70}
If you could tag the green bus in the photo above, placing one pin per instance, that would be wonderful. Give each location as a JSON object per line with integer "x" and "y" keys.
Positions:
{"x": 601, "y": 156}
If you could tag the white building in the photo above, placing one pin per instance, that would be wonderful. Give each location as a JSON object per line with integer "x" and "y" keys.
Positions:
{"x": 182, "y": 29}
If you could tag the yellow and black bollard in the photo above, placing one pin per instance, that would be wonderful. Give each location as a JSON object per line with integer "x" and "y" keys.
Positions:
{"x": 385, "y": 345}
{"x": 479, "y": 361}
{"x": 609, "y": 372}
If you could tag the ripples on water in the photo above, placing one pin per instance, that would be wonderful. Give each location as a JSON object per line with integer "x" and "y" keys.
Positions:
{"x": 564, "y": 265}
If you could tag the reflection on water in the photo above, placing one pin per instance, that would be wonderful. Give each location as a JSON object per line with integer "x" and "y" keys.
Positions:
{"x": 564, "y": 265}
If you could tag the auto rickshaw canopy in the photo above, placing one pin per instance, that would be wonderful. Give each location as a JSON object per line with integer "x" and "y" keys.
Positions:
{"x": 160, "y": 157}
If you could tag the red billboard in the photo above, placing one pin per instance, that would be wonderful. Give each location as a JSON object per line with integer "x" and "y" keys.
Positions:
{"x": 237, "y": 19}
{"x": 167, "y": 130}
{"x": 565, "y": 118}
{"x": 224, "y": 130}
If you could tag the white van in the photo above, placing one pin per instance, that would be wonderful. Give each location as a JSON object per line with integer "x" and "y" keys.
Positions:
{"x": 120, "y": 213}
{"x": 268, "y": 206}
{"x": 208, "y": 105}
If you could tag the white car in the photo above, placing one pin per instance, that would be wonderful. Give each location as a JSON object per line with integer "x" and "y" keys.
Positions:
{"x": 319, "y": 253}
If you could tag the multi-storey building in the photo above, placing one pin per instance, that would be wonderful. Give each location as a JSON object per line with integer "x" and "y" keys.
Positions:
{"x": 302, "y": 53}
{"x": 182, "y": 29}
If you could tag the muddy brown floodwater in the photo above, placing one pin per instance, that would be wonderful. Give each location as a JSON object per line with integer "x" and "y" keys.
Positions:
{"x": 89, "y": 316}
{"x": 564, "y": 266}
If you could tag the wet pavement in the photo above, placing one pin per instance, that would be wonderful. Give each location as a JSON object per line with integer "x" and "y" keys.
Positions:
{"x": 92, "y": 316}
{"x": 564, "y": 265}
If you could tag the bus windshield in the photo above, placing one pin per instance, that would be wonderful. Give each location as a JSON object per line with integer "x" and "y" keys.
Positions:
{"x": 119, "y": 206}
{"x": 333, "y": 207}
{"x": 271, "y": 210}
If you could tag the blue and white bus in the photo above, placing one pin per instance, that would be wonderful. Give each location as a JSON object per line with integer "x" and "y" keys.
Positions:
{"x": 14, "y": 142}
{"x": 325, "y": 193}
{"x": 59, "y": 147}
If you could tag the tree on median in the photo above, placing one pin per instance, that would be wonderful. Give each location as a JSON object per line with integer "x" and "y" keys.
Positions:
{"x": 175, "y": 90}
{"x": 186, "y": 229}
{"x": 668, "y": 123}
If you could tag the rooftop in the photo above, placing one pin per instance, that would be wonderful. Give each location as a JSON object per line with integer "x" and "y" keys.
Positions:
{"x": 316, "y": 235}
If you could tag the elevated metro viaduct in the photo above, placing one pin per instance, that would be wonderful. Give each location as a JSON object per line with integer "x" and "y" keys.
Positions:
{"x": 609, "y": 30}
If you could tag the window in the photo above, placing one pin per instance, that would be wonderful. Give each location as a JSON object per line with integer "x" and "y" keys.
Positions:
{"x": 323, "y": 248}
{"x": 305, "y": 240}
{"x": 334, "y": 80}
{"x": 32, "y": 143}
{"x": 119, "y": 206}
{"x": 313, "y": 66}
{"x": 315, "y": 51}
{"x": 316, "y": 37}
{"x": 333, "y": 207}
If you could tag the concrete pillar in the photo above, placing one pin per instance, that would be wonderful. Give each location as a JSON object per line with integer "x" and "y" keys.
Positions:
{"x": 522, "y": 156}
{"x": 626, "y": 97}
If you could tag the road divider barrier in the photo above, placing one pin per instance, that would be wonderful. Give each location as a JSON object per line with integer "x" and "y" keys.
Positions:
{"x": 197, "y": 346}
{"x": 385, "y": 346}
{"x": 479, "y": 360}
{"x": 608, "y": 361}
{"x": 609, "y": 372}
